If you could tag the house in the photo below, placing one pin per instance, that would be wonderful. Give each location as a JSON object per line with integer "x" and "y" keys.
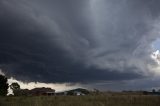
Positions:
{"x": 36, "y": 92}
{"x": 76, "y": 92}
{"x": 42, "y": 91}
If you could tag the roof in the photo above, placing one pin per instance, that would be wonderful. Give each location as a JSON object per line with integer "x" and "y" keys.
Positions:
{"x": 43, "y": 89}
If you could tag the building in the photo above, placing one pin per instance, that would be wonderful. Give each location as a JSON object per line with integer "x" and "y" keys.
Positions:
{"x": 42, "y": 91}
{"x": 76, "y": 92}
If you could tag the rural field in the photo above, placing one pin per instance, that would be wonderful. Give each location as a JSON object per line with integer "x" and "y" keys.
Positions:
{"x": 90, "y": 100}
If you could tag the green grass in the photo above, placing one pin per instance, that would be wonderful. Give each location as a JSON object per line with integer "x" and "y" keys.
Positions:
{"x": 90, "y": 100}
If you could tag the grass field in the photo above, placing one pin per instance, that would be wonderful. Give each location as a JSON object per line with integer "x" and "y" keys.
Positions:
{"x": 90, "y": 100}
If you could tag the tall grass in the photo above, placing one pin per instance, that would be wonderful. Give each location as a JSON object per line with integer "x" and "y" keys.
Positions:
{"x": 90, "y": 100}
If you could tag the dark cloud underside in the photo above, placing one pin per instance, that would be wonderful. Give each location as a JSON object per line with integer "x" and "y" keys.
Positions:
{"x": 76, "y": 41}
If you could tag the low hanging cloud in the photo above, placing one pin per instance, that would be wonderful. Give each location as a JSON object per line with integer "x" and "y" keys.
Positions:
{"x": 78, "y": 41}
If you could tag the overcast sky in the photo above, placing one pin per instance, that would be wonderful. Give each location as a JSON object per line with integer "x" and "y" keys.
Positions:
{"x": 106, "y": 44}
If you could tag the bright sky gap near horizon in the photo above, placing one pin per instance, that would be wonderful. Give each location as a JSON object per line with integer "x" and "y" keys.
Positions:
{"x": 156, "y": 44}
{"x": 104, "y": 44}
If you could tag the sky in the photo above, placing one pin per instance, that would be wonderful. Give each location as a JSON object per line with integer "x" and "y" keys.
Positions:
{"x": 104, "y": 44}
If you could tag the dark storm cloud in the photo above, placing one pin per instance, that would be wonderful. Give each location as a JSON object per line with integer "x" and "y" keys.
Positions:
{"x": 77, "y": 41}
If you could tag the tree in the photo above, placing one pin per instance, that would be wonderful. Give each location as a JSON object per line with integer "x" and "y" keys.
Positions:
{"x": 153, "y": 90}
{"x": 15, "y": 88}
{"x": 3, "y": 85}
